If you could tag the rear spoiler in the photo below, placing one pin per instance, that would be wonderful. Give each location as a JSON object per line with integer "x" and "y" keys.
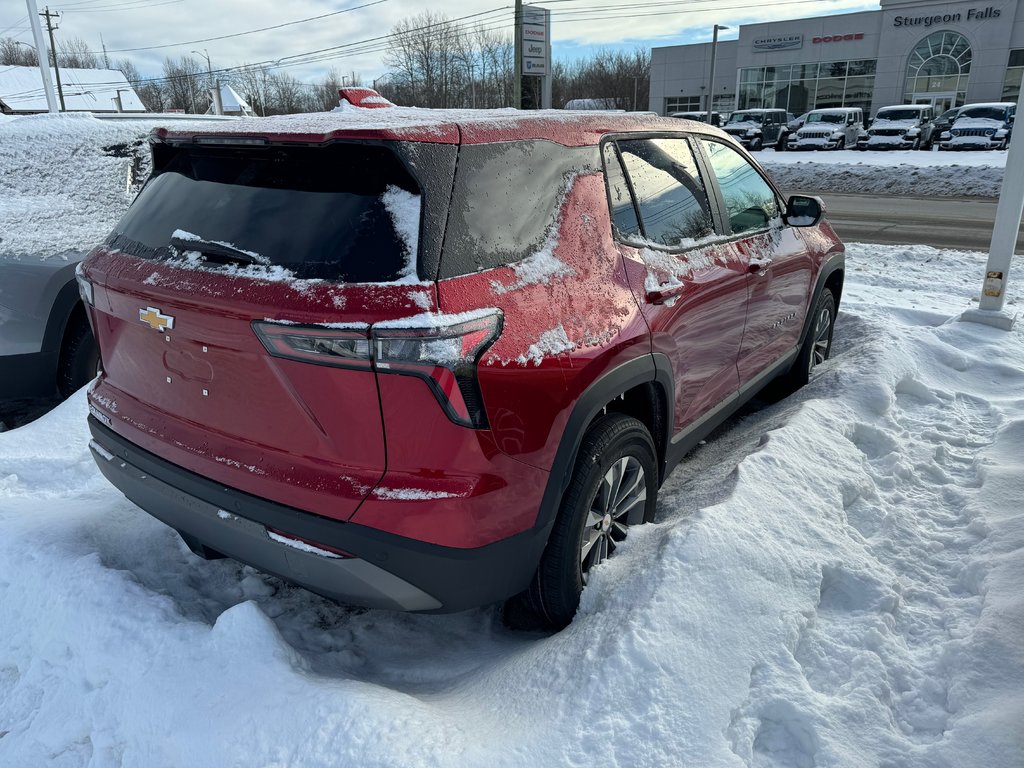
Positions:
{"x": 363, "y": 97}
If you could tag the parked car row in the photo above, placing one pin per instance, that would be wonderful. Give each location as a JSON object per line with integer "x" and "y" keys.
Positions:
{"x": 905, "y": 126}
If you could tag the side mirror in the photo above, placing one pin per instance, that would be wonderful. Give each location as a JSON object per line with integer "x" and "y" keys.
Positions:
{"x": 1010, "y": 121}
{"x": 804, "y": 210}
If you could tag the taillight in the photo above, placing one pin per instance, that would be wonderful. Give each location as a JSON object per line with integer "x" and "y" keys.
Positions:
{"x": 442, "y": 350}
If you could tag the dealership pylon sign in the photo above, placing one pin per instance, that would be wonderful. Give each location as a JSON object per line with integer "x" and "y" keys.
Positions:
{"x": 535, "y": 44}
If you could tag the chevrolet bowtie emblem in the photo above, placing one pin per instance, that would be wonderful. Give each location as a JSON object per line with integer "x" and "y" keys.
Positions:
{"x": 155, "y": 319}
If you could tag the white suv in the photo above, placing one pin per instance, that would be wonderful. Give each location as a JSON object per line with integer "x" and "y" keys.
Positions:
{"x": 835, "y": 128}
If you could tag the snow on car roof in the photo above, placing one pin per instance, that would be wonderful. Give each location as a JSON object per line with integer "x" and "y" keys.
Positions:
{"x": 832, "y": 110}
{"x": 447, "y": 126}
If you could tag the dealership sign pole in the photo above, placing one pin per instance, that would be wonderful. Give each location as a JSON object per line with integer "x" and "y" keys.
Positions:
{"x": 1004, "y": 239}
{"x": 534, "y": 37}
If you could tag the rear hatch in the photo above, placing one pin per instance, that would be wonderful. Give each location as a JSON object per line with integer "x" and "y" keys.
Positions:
{"x": 231, "y": 303}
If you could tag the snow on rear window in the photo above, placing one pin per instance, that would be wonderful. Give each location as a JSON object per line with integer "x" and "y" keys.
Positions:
{"x": 404, "y": 209}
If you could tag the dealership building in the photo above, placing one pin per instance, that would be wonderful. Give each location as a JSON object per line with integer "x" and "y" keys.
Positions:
{"x": 910, "y": 51}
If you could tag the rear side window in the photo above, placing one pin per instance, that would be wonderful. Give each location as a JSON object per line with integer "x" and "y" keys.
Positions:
{"x": 341, "y": 212}
{"x": 669, "y": 192}
{"x": 749, "y": 200}
{"x": 506, "y": 200}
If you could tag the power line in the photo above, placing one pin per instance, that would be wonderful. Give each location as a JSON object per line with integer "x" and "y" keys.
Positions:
{"x": 248, "y": 32}
{"x": 382, "y": 42}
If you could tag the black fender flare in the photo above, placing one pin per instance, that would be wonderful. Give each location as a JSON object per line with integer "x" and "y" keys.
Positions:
{"x": 836, "y": 262}
{"x": 650, "y": 368}
{"x": 64, "y": 305}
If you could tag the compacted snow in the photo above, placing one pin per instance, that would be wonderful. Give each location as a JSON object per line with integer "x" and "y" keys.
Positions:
{"x": 835, "y": 579}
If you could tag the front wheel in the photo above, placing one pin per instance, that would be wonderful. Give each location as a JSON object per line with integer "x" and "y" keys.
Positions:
{"x": 841, "y": 144}
{"x": 614, "y": 486}
{"x": 755, "y": 145}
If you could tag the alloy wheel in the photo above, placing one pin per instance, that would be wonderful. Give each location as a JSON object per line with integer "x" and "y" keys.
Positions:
{"x": 619, "y": 503}
{"x": 822, "y": 338}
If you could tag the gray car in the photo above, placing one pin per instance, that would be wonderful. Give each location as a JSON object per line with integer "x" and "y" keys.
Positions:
{"x": 65, "y": 181}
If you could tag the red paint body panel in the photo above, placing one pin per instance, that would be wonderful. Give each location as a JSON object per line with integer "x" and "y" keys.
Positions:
{"x": 446, "y": 484}
{"x": 585, "y": 316}
{"x": 313, "y": 433}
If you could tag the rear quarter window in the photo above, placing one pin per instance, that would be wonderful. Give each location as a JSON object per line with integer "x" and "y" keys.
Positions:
{"x": 506, "y": 199}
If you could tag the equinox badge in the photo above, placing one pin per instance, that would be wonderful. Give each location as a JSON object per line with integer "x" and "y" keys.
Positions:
{"x": 155, "y": 319}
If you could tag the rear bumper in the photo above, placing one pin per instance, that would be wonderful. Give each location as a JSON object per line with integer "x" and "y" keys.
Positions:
{"x": 385, "y": 571}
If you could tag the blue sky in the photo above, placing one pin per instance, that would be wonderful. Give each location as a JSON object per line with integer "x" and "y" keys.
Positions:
{"x": 160, "y": 28}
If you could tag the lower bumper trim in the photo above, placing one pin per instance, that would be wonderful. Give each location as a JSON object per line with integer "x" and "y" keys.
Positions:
{"x": 387, "y": 571}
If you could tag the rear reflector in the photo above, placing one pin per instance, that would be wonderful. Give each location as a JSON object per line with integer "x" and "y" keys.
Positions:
{"x": 442, "y": 351}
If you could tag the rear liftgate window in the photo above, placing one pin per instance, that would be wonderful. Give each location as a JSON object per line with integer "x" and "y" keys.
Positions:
{"x": 341, "y": 212}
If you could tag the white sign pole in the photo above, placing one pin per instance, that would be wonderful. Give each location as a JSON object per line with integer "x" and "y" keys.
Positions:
{"x": 44, "y": 62}
{"x": 1004, "y": 240}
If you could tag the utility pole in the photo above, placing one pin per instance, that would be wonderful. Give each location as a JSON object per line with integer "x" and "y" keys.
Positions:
{"x": 53, "y": 50}
{"x": 44, "y": 68}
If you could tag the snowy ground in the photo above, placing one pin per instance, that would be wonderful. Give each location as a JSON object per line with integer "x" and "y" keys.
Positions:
{"x": 834, "y": 580}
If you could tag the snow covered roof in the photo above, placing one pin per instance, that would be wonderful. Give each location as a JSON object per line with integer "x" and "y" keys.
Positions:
{"x": 444, "y": 126}
{"x": 85, "y": 90}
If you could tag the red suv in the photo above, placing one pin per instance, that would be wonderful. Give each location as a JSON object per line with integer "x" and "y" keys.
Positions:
{"x": 428, "y": 360}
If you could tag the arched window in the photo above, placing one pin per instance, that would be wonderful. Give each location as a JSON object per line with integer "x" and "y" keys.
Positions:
{"x": 941, "y": 63}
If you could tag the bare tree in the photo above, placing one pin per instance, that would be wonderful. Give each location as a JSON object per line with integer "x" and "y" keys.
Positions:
{"x": 424, "y": 61}
{"x": 253, "y": 80}
{"x": 184, "y": 80}
{"x": 17, "y": 54}
{"x": 74, "y": 53}
{"x": 286, "y": 94}
{"x": 620, "y": 78}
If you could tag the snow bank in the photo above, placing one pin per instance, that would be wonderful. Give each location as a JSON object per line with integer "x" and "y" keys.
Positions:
{"x": 894, "y": 172}
{"x": 834, "y": 580}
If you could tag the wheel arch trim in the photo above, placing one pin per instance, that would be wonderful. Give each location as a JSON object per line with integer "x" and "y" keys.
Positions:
{"x": 651, "y": 368}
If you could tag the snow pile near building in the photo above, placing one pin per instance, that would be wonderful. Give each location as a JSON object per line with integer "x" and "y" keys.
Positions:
{"x": 834, "y": 580}
{"x": 893, "y": 172}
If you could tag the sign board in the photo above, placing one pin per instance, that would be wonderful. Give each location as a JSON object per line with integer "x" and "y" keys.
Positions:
{"x": 778, "y": 43}
{"x": 536, "y": 45}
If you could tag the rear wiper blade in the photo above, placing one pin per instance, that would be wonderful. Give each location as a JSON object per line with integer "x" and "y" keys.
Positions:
{"x": 219, "y": 251}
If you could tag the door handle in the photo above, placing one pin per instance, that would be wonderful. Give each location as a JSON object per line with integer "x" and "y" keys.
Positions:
{"x": 759, "y": 265}
{"x": 663, "y": 294}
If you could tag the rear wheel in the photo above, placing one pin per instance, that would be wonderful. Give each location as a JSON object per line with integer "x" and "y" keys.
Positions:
{"x": 614, "y": 486}
{"x": 79, "y": 358}
{"x": 780, "y": 145}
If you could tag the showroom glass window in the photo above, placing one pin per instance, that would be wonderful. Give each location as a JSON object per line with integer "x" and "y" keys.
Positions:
{"x": 939, "y": 64}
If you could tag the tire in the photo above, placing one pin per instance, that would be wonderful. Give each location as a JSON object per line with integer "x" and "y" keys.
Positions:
{"x": 816, "y": 347}
{"x": 755, "y": 145}
{"x": 79, "y": 358}
{"x": 841, "y": 144}
{"x": 594, "y": 516}
{"x": 917, "y": 144}
{"x": 780, "y": 145}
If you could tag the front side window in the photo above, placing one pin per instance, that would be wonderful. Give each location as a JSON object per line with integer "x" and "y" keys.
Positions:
{"x": 749, "y": 201}
{"x": 669, "y": 192}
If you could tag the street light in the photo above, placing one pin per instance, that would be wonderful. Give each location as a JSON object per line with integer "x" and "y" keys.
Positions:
{"x": 711, "y": 77}
{"x": 218, "y": 106}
